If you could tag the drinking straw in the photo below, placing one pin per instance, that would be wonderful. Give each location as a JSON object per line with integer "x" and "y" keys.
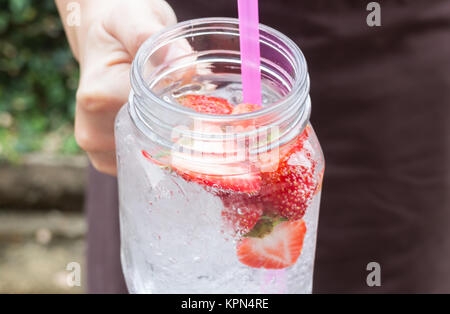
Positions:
{"x": 250, "y": 54}
{"x": 272, "y": 280}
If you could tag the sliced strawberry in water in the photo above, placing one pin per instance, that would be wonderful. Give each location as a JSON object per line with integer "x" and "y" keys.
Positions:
{"x": 206, "y": 104}
{"x": 221, "y": 176}
{"x": 248, "y": 182}
{"x": 278, "y": 249}
{"x": 288, "y": 190}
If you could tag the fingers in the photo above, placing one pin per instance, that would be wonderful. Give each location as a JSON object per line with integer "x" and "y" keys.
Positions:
{"x": 102, "y": 92}
{"x": 164, "y": 11}
{"x": 103, "y": 88}
{"x": 104, "y": 162}
{"x": 105, "y": 59}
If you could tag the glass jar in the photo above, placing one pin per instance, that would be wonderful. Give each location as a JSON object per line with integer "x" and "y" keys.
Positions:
{"x": 217, "y": 203}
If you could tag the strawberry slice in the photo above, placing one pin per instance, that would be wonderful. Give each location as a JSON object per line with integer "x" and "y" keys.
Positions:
{"x": 243, "y": 182}
{"x": 278, "y": 249}
{"x": 288, "y": 190}
{"x": 244, "y": 108}
{"x": 206, "y": 104}
{"x": 214, "y": 173}
{"x": 218, "y": 175}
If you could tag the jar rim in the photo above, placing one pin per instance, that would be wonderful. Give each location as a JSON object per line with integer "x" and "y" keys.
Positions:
{"x": 298, "y": 91}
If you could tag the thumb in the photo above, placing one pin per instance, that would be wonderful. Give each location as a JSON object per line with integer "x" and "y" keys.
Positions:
{"x": 133, "y": 22}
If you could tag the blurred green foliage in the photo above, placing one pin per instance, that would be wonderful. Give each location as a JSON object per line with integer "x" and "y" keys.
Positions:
{"x": 38, "y": 79}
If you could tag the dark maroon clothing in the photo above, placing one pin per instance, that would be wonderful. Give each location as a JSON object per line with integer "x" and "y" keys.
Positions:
{"x": 103, "y": 251}
{"x": 381, "y": 109}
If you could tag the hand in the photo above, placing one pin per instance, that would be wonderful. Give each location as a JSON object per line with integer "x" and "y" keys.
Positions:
{"x": 105, "y": 44}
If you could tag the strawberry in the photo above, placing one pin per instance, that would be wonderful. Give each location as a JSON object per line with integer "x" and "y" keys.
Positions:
{"x": 248, "y": 183}
{"x": 278, "y": 249}
{"x": 223, "y": 177}
{"x": 206, "y": 104}
{"x": 241, "y": 212}
{"x": 244, "y": 108}
{"x": 288, "y": 190}
{"x": 226, "y": 178}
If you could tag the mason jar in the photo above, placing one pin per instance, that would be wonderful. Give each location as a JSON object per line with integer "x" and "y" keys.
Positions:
{"x": 217, "y": 203}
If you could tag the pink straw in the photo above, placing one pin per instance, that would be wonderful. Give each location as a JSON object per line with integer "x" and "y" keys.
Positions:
{"x": 272, "y": 281}
{"x": 250, "y": 54}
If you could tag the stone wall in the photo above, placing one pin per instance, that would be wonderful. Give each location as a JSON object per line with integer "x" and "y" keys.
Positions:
{"x": 44, "y": 181}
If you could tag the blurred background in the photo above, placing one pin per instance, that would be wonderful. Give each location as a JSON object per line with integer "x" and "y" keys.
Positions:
{"x": 42, "y": 170}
